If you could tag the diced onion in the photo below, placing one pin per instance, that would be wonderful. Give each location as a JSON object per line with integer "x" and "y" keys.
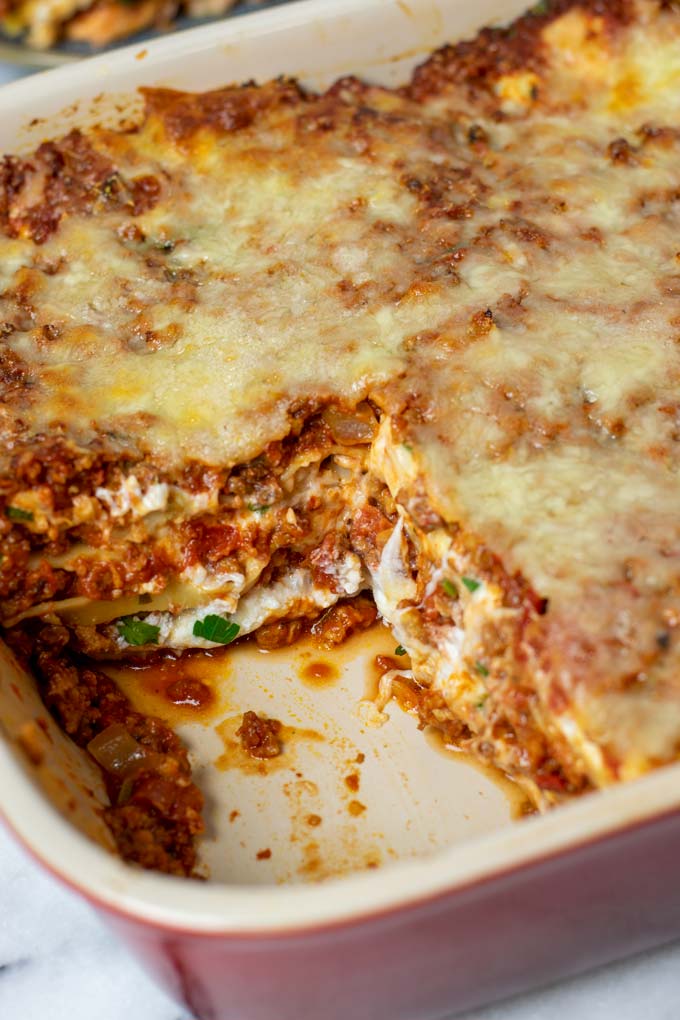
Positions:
{"x": 349, "y": 427}
{"x": 117, "y": 751}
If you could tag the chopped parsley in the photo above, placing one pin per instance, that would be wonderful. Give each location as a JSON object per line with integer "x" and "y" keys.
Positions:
{"x": 450, "y": 588}
{"x": 258, "y": 508}
{"x": 400, "y": 650}
{"x": 407, "y": 447}
{"x": 15, "y": 513}
{"x": 471, "y": 584}
{"x": 481, "y": 668}
{"x": 481, "y": 703}
{"x": 542, "y": 7}
{"x": 137, "y": 632}
{"x": 217, "y": 629}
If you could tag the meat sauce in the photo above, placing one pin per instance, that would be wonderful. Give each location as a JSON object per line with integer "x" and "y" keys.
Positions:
{"x": 178, "y": 688}
{"x": 155, "y": 811}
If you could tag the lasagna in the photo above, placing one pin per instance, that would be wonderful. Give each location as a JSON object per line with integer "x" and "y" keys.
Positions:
{"x": 44, "y": 23}
{"x": 271, "y": 354}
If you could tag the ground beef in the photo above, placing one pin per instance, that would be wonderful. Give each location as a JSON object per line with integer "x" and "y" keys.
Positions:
{"x": 344, "y": 619}
{"x": 260, "y": 736}
{"x": 155, "y": 812}
{"x": 281, "y": 633}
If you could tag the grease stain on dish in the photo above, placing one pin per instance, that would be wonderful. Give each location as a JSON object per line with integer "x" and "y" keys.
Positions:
{"x": 319, "y": 673}
{"x": 345, "y": 847}
{"x": 353, "y": 781}
{"x": 190, "y": 688}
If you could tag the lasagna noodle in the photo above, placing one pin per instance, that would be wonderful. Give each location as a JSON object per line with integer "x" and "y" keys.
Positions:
{"x": 487, "y": 260}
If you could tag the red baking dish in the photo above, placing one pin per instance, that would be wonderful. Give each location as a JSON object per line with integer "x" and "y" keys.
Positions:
{"x": 370, "y": 874}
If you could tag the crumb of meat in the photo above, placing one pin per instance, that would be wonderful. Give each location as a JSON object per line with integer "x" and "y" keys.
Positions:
{"x": 280, "y": 633}
{"x": 344, "y": 619}
{"x": 260, "y": 736}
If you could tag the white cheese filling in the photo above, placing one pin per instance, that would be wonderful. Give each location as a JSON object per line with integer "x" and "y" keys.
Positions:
{"x": 130, "y": 498}
{"x": 294, "y": 595}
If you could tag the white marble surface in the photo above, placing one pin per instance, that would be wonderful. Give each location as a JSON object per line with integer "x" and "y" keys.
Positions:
{"x": 58, "y": 962}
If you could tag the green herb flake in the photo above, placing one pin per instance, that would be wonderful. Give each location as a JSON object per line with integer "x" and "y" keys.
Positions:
{"x": 217, "y": 629}
{"x": 400, "y": 650}
{"x": 258, "y": 508}
{"x": 407, "y": 447}
{"x": 471, "y": 584}
{"x": 481, "y": 668}
{"x": 542, "y": 7}
{"x": 450, "y": 588}
{"x": 15, "y": 513}
{"x": 137, "y": 632}
{"x": 481, "y": 703}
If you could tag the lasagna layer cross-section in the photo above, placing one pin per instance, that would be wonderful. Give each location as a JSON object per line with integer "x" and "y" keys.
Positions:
{"x": 270, "y": 350}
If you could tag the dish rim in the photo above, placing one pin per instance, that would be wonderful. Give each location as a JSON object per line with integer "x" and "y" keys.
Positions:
{"x": 219, "y": 909}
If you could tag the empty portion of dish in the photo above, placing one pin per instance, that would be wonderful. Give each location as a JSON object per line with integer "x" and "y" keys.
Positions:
{"x": 271, "y": 349}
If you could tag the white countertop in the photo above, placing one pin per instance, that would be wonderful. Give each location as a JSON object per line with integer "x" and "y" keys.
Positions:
{"x": 59, "y": 962}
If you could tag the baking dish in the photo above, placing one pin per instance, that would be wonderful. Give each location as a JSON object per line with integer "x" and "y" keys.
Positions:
{"x": 17, "y": 52}
{"x": 474, "y": 907}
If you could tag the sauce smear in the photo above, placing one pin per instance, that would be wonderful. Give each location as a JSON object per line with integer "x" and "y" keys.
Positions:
{"x": 175, "y": 689}
{"x": 320, "y": 673}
